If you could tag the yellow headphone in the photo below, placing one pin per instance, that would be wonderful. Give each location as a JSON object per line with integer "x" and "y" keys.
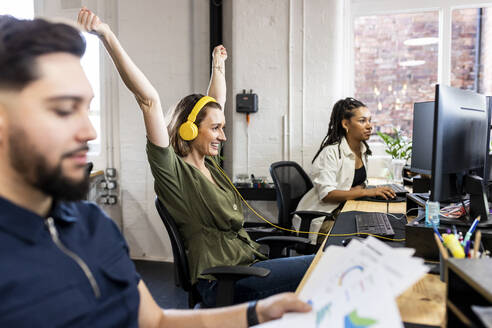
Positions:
{"x": 188, "y": 130}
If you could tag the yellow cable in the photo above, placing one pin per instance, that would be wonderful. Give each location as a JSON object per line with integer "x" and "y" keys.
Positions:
{"x": 297, "y": 231}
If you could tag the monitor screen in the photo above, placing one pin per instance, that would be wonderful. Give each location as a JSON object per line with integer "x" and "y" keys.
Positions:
{"x": 460, "y": 141}
{"x": 422, "y": 134}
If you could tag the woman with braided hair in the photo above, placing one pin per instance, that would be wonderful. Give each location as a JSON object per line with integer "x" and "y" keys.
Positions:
{"x": 340, "y": 165}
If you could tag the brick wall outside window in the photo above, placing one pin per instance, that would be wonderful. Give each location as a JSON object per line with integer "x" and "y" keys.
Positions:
{"x": 390, "y": 89}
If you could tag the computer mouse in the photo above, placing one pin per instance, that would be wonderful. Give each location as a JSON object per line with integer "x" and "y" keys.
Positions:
{"x": 388, "y": 197}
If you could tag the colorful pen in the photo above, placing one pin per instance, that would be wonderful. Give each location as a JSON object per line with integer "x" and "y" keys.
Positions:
{"x": 467, "y": 248}
{"x": 455, "y": 231}
{"x": 471, "y": 230}
{"x": 437, "y": 232}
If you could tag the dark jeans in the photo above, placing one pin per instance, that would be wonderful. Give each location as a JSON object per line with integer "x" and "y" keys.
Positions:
{"x": 285, "y": 275}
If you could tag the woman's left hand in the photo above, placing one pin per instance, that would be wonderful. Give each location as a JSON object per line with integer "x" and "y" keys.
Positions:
{"x": 91, "y": 22}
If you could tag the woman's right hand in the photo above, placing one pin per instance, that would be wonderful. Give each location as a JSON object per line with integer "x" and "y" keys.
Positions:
{"x": 219, "y": 56}
{"x": 91, "y": 22}
{"x": 382, "y": 191}
{"x": 146, "y": 95}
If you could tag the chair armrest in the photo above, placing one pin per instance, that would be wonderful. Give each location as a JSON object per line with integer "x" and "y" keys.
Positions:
{"x": 283, "y": 240}
{"x": 277, "y": 244}
{"x": 227, "y": 277}
{"x": 310, "y": 215}
{"x": 235, "y": 272}
{"x": 258, "y": 230}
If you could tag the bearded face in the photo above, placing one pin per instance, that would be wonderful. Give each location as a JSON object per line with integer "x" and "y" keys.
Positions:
{"x": 35, "y": 168}
{"x": 45, "y": 128}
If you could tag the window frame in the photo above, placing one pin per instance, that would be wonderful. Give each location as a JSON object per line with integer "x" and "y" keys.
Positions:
{"x": 357, "y": 8}
{"x": 109, "y": 156}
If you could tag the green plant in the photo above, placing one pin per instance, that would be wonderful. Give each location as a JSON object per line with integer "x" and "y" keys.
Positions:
{"x": 397, "y": 146}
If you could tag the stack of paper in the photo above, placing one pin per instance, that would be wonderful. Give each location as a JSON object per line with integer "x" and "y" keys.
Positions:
{"x": 356, "y": 286}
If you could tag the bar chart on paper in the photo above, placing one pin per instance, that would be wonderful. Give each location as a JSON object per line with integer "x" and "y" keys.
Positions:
{"x": 352, "y": 320}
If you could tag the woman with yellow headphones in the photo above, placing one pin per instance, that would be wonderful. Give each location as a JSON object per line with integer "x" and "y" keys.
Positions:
{"x": 203, "y": 203}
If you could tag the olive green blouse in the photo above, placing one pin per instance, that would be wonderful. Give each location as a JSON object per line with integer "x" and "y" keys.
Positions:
{"x": 209, "y": 216}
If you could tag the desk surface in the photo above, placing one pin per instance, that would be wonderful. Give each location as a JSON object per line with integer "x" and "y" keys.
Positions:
{"x": 424, "y": 302}
{"x": 363, "y": 206}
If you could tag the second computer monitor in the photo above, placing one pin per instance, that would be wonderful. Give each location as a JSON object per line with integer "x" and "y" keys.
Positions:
{"x": 422, "y": 134}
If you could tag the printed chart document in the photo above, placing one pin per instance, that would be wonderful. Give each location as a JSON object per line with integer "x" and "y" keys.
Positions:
{"x": 356, "y": 286}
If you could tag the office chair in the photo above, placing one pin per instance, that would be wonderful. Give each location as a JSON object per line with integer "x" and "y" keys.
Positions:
{"x": 226, "y": 275}
{"x": 292, "y": 183}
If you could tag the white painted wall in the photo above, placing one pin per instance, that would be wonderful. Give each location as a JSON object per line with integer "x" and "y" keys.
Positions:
{"x": 289, "y": 52}
{"x": 294, "y": 54}
{"x": 168, "y": 40}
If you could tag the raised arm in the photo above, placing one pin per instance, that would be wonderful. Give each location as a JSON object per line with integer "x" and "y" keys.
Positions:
{"x": 217, "y": 86}
{"x": 145, "y": 93}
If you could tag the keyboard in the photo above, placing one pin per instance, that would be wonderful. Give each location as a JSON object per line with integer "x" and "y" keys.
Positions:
{"x": 398, "y": 189}
{"x": 374, "y": 223}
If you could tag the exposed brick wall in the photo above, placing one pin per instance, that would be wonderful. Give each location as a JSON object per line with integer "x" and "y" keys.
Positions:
{"x": 464, "y": 44}
{"x": 388, "y": 88}
{"x": 464, "y": 29}
{"x": 485, "y": 85}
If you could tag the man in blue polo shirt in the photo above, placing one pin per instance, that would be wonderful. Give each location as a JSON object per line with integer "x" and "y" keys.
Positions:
{"x": 63, "y": 261}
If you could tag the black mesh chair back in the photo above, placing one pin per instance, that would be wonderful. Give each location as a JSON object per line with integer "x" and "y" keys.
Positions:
{"x": 291, "y": 183}
{"x": 181, "y": 268}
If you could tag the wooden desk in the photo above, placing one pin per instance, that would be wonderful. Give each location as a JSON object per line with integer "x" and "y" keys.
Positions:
{"x": 424, "y": 302}
{"x": 363, "y": 206}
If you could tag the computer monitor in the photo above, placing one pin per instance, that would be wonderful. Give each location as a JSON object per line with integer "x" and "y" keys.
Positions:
{"x": 460, "y": 141}
{"x": 422, "y": 134}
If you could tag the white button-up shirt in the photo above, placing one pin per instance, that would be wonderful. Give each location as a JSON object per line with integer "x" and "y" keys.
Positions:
{"x": 333, "y": 169}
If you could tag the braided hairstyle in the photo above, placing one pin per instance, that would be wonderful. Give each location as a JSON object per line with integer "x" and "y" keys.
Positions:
{"x": 342, "y": 110}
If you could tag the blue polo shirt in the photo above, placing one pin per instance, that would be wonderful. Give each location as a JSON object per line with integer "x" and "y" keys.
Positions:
{"x": 41, "y": 286}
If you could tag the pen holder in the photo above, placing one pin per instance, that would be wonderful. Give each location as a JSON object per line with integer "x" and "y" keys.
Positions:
{"x": 468, "y": 283}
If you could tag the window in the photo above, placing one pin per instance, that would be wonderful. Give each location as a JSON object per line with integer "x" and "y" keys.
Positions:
{"x": 471, "y": 59}
{"x": 396, "y": 58}
{"x": 24, "y": 9}
{"x": 90, "y": 64}
{"x": 451, "y": 46}
{"x": 20, "y": 8}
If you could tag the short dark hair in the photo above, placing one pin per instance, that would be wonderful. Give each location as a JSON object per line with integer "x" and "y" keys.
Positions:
{"x": 180, "y": 116}
{"x": 22, "y": 41}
